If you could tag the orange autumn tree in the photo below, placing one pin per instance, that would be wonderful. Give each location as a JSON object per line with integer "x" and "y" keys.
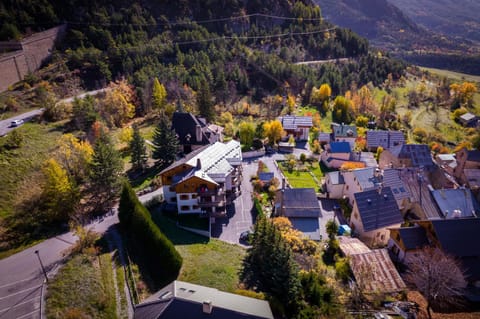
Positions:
{"x": 296, "y": 239}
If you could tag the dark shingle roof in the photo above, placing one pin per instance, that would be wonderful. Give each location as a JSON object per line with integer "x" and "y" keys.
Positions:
{"x": 413, "y": 237}
{"x": 377, "y": 209}
{"x": 185, "y": 125}
{"x": 455, "y": 202}
{"x": 418, "y": 153}
{"x": 293, "y": 122}
{"x": 458, "y": 236}
{"x": 300, "y": 202}
{"x": 365, "y": 177}
{"x": 342, "y": 130}
{"x": 265, "y": 176}
{"x": 310, "y": 227}
{"x": 473, "y": 156}
{"x": 385, "y": 139}
{"x": 340, "y": 147}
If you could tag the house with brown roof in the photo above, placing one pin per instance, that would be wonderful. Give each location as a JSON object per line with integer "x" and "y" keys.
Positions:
{"x": 373, "y": 213}
{"x": 189, "y": 301}
{"x": 372, "y": 269}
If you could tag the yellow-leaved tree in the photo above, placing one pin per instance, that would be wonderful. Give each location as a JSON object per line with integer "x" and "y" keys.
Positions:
{"x": 273, "y": 130}
{"x": 118, "y": 106}
{"x": 59, "y": 192}
{"x": 75, "y": 156}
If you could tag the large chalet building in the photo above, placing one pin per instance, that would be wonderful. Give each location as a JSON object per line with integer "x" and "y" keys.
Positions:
{"x": 206, "y": 180}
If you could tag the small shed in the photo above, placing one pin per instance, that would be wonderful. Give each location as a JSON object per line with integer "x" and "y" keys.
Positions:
{"x": 285, "y": 147}
{"x": 468, "y": 119}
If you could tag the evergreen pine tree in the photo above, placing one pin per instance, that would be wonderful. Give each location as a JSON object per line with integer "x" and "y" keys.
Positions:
{"x": 105, "y": 173}
{"x": 204, "y": 101}
{"x": 138, "y": 150}
{"x": 165, "y": 143}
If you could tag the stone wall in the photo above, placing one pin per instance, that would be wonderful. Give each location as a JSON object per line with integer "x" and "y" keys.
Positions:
{"x": 31, "y": 53}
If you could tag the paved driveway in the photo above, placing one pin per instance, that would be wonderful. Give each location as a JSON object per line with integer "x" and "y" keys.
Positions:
{"x": 239, "y": 214}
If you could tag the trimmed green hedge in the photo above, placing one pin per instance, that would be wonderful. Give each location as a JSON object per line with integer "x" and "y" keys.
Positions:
{"x": 163, "y": 260}
{"x": 258, "y": 207}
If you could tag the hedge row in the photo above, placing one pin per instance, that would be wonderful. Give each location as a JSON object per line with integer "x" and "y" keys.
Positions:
{"x": 162, "y": 259}
{"x": 258, "y": 207}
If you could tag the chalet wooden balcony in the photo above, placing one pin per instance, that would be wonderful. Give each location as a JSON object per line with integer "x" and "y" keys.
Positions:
{"x": 216, "y": 201}
{"x": 210, "y": 192}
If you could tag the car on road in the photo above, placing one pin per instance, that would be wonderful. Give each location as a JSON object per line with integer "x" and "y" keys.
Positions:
{"x": 16, "y": 123}
{"x": 246, "y": 236}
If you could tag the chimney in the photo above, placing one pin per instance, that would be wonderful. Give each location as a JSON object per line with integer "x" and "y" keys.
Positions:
{"x": 198, "y": 133}
{"x": 199, "y": 164}
{"x": 207, "y": 307}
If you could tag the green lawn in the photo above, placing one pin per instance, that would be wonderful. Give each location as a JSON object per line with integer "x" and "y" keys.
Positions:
{"x": 298, "y": 179}
{"x": 83, "y": 288}
{"x": 206, "y": 262}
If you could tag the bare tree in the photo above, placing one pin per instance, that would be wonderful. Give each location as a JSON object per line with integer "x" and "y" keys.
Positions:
{"x": 437, "y": 276}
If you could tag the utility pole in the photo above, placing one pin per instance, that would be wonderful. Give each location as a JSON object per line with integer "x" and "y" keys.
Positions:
{"x": 41, "y": 265}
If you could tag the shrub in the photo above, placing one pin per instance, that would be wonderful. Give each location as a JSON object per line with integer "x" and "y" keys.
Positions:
{"x": 342, "y": 270}
{"x": 163, "y": 260}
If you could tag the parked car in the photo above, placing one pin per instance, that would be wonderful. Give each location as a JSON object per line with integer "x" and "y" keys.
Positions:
{"x": 246, "y": 236}
{"x": 16, "y": 123}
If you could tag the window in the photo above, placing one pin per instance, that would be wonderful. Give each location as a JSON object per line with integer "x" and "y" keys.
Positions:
{"x": 185, "y": 207}
{"x": 382, "y": 237}
{"x": 346, "y": 188}
{"x": 194, "y": 196}
{"x": 173, "y": 199}
{"x": 184, "y": 197}
{"x": 195, "y": 207}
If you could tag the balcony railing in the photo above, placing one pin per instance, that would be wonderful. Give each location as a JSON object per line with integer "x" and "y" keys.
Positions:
{"x": 215, "y": 202}
{"x": 209, "y": 192}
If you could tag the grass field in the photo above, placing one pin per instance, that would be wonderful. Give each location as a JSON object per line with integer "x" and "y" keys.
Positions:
{"x": 206, "y": 262}
{"x": 83, "y": 288}
{"x": 453, "y": 75}
{"x": 299, "y": 179}
{"x": 19, "y": 166}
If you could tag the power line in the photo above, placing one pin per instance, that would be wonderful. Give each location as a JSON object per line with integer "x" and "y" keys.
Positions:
{"x": 172, "y": 23}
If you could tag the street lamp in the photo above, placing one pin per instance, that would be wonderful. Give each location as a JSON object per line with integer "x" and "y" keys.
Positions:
{"x": 41, "y": 265}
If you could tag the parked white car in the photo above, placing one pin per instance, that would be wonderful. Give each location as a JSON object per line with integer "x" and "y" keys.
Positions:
{"x": 16, "y": 123}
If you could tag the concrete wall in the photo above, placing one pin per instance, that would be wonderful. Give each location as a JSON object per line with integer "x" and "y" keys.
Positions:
{"x": 30, "y": 54}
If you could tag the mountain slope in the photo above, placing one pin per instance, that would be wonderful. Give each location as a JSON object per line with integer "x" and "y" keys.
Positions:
{"x": 451, "y": 17}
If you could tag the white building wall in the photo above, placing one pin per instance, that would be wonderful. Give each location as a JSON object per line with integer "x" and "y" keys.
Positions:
{"x": 168, "y": 194}
{"x": 351, "y": 186}
{"x": 187, "y": 200}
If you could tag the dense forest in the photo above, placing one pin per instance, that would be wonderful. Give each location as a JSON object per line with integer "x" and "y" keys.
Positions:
{"x": 237, "y": 47}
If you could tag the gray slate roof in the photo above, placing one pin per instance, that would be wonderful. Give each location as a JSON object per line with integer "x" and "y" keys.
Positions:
{"x": 300, "y": 202}
{"x": 266, "y": 176}
{"x": 184, "y": 300}
{"x": 336, "y": 178}
{"x": 342, "y": 130}
{"x": 310, "y": 227}
{"x": 290, "y": 122}
{"x": 473, "y": 156}
{"x": 368, "y": 158}
{"x": 365, "y": 177}
{"x": 391, "y": 178}
{"x": 185, "y": 124}
{"x": 455, "y": 202}
{"x": 418, "y": 153}
{"x": 468, "y": 116}
{"x": 385, "y": 139}
{"x": 377, "y": 210}
{"x": 413, "y": 237}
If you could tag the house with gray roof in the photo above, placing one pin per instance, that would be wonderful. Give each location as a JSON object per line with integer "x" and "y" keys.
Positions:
{"x": 447, "y": 162}
{"x": 344, "y": 133}
{"x": 391, "y": 177}
{"x": 466, "y": 159}
{"x": 456, "y": 237}
{"x": 194, "y": 132}
{"x": 360, "y": 180}
{"x": 374, "y": 212}
{"x": 297, "y": 126}
{"x": 301, "y": 207}
{"x": 468, "y": 119}
{"x": 336, "y": 154}
{"x": 334, "y": 184}
{"x": 204, "y": 181}
{"x": 407, "y": 155}
{"x": 455, "y": 203}
{"x": 385, "y": 139}
{"x": 189, "y": 301}
{"x": 404, "y": 242}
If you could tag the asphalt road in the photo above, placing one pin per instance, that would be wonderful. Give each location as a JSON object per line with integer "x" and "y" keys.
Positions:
{"x": 5, "y": 124}
{"x": 21, "y": 277}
